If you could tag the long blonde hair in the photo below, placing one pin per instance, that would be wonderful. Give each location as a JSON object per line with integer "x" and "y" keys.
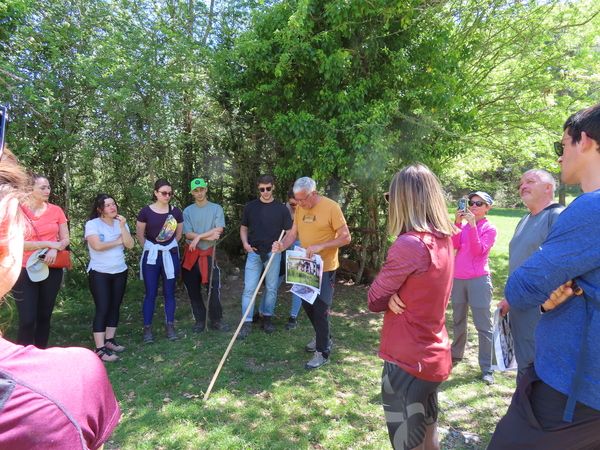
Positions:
{"x": 417, "y": 202}
{"x": 14, "y": 185}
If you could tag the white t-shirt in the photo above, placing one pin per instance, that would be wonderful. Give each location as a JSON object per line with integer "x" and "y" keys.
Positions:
{"x": 105, "y": 261}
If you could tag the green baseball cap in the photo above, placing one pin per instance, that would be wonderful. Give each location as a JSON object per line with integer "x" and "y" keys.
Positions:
{"x": 198, "y": 183}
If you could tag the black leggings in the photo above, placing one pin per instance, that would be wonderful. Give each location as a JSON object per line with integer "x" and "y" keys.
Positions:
{"x": 35, "y": 302}
{"x": 108, "y": 290}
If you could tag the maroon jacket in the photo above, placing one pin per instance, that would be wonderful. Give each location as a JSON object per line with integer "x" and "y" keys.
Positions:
{"x": 419, "y": 267}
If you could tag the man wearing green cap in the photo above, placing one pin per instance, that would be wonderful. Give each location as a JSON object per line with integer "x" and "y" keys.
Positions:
{"x": 203, "y": 223}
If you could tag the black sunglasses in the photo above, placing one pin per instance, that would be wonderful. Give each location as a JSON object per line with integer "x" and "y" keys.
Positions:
{"x": 559, "y": 148}
{"x": 477, "y": 203}
{"x": 386, "y": 197}
{"x": 263, "y": 189}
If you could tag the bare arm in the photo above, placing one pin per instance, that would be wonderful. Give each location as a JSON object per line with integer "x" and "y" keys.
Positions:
{"x": 211, "y": 235}
{"x": 36, "y": 245}
{"x": 244, "y": 238}
{"x": 63, "y": 236}
{"x": 126, "y": 237}
{"x": 54, "y": 247}
{"x": 61, "y": 244}
{"x": 560, "y": 295}
{"x": 289, "y": 239}
{"x": 98, "y": 245}
{"x": 179, "y": 231}
{"x": 140, "y": 230}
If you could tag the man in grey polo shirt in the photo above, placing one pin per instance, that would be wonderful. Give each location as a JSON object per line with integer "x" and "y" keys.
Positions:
{"x": 536, "y": 189}
{"x": 203, "y": 224}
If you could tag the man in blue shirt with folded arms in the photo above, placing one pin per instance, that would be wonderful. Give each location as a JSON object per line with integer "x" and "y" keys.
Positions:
{"x": 557, "y": 403}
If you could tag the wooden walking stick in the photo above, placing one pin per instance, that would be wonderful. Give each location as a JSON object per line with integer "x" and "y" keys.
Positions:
{"x": 248, "y": 308}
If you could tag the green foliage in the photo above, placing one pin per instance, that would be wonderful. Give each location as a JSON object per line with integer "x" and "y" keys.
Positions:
{"x": 524, "y": 82}
{"x": 111, "y": 95}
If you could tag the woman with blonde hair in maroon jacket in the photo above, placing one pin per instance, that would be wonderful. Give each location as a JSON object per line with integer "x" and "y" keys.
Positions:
{"x": 413, "y": 289}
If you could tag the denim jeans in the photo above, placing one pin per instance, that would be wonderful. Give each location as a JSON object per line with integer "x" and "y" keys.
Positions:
{"x": 252, "y": 273}
{"x": 296, "y": 301}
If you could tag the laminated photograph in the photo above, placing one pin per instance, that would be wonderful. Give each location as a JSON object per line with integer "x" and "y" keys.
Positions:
{"x": 303, "y": 273}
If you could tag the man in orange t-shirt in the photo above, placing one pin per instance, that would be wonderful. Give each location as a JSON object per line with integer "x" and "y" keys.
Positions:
{"x": 320, "y": 226}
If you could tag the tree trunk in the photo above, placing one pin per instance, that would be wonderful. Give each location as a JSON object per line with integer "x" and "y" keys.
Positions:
{"x": 562, "y": 192}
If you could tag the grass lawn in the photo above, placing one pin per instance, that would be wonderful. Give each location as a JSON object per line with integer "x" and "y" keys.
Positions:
{"x": 264, "y": 398}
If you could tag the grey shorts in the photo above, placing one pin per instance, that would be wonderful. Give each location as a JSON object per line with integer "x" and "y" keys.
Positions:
{"x": 409, "y": 403}
{"x": 477, "y": 292}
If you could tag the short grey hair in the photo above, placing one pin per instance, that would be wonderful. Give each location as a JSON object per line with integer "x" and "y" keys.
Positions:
{"x": 305, "y": 184}
{"x": 544, "y": 176}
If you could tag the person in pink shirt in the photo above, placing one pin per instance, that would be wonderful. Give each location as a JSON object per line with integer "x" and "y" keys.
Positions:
{"x": 53, "y": 399}
{"x": 46, "y": 229}
{"x": 413, "y": 290}
{"x": 472, "y": 285}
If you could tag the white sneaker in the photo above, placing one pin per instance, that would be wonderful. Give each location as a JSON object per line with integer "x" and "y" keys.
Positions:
{"x": 317, "y": 361}
{"x": 488, "y": 378}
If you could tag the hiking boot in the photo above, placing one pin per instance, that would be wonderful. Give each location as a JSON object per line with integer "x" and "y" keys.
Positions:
{"x": 267, "y": 325}
{"x": 112, "y": 345}
{"x": 106, "y": 355}
{"x": 456, "y": 361}
{"x": 291, "y": 323}
{"x": 488, "y": 378}
{"x": 244, "y": 331}
{"x": 317, "y": 361}
{"x": 257, "y": 318}
{"x": 199, "y": 327}
{"x": 171, "y": 334}
{"x": 148, "y": 336}
{"x": 311, "y": 347}
{"x": 219, "y": 326}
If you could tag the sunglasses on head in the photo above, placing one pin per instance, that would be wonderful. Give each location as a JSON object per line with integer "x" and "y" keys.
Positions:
{"x": 559, "y": 148}
{"x": 265, "y": 189}
{"x": 477, "y": 203}
{"x": 166, "y": 193}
